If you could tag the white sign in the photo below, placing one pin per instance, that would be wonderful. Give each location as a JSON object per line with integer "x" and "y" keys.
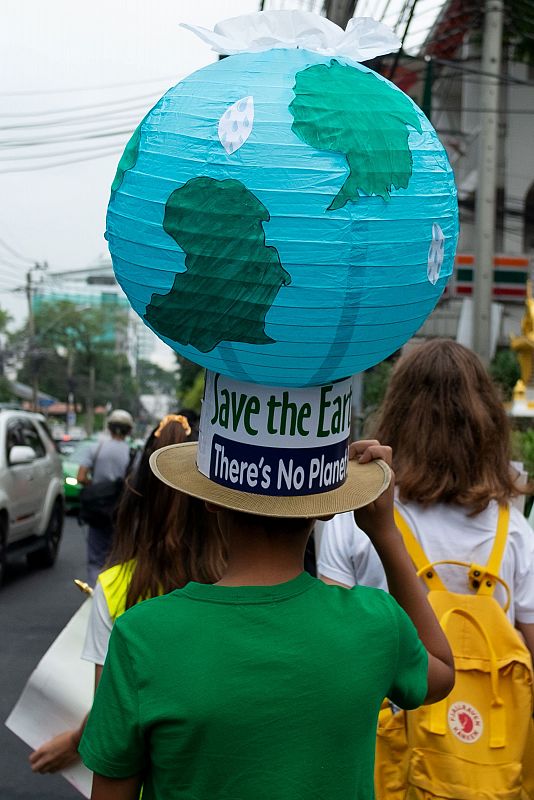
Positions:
{"x": 272, "y": 440}
{"x": 58, "y": 695}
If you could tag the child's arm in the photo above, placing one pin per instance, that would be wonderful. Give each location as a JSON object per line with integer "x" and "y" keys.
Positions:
{"x": 116, "y": 788}
{"x": 62, "y": 750}
{"x": 526, "y": 629}
{"x": 378, "y": 522}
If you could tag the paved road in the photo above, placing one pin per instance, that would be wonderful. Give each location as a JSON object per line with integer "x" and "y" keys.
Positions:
{"x": 34, "y": 607}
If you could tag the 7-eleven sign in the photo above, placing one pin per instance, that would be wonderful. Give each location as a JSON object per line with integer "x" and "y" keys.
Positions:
{"x": 510, "y": 275}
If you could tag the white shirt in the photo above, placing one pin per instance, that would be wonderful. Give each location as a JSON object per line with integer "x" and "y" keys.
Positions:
{"x": 347, "y": 556}
{"x": 445, "y": 532}
{"x": 99, "y": 627}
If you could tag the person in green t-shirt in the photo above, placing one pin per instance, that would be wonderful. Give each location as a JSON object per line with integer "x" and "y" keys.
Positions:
{"x": 266, "y": 685}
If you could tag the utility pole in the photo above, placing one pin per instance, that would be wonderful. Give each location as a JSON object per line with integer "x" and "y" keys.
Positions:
{"x": 340, "y": 11}
{"x": 31, "y": 331}
{"x": 90, "y": 410}
{"x": 427, "y": 91}
{"x": 70, "y": 416}
{"x": 34, "y": 367}
{"x": 487, "y": 177}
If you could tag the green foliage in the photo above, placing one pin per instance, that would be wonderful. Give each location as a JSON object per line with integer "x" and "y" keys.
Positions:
{"x": 193, "y": 397}
{"x": 68, "y": 343}
{"x": 523, "y": 449}
{"x": 153, "y": 379}
{"x": 114, "y": 382}
{"x": 518, "y": 33}
{"x": 504, "y": 369}
{"x": 6, "y": 393}
{"x": 375, "y": 383}
{"x": 187, "y": 375}
{"x": 5, "y": 319}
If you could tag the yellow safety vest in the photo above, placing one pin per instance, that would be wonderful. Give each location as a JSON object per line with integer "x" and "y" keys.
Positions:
{"x": 115, "y": 582}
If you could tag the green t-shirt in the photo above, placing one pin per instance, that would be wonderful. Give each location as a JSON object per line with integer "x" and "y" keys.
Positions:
{"x": 254, "y": 692}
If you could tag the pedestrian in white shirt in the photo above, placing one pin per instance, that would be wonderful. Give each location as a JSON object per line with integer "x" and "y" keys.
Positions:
{"x": 450, "y": 437}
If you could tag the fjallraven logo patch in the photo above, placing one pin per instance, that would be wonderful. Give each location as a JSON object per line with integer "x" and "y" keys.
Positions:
{"x": 465, "y": 722}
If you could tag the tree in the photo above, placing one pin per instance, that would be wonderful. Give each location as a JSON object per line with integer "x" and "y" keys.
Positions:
{"x": 518, "y": 33}
{"x": 6, "y": 393}
{"x": 375, "y": 383}
{"x": 79, "y": 351}
{"x": 153, "y": 379}
{"x": 193, "y": 397}
{"x": 186, "y": 377}
{"x": 504, "y": 369}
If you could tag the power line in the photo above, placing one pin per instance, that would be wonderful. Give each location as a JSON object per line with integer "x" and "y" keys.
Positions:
{"x": 68, "y": 121}
{"x": 74, "y": 137}
{"x": 11, "y": 265}
{"x": 479, "y": 110}
{"x": 102, "y": 104}
{"x": 9, "y": 271}
{"x": 458, "y": 65}
{"x": 60, "y": 154}
{"x": 15, "y": 253}
{"x": 100, "y": 87}
{"x": 61, "y": 163}
{"x": 462, "y": 71}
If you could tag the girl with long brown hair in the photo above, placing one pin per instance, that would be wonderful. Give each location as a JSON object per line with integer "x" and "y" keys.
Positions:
{"x": 167, "y": 538}
{"x": 163, "y": 540}
{"x": 450, "y": 436}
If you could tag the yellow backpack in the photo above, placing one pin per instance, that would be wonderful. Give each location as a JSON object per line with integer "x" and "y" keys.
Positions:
{"x": 470, "y": 746}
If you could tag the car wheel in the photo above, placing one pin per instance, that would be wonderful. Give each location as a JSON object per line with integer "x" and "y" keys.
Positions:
{"x": 46, "y": 555}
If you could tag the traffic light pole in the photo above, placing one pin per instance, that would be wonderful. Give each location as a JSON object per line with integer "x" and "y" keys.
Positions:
{"x": 487, "y": 177}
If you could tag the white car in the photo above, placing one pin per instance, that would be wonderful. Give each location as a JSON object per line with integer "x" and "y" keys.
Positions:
{"x": 32, "y": 505}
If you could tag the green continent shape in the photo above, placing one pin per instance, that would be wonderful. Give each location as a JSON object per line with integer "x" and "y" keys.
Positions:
{"x": 345, "y": 110}
{"x": 128, "y": 158}
{"x": 232, "y": 277}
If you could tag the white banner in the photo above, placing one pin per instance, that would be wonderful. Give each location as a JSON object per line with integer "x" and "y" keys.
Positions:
{"x": 58, "y": 695}
{"x": 272, "y": 440}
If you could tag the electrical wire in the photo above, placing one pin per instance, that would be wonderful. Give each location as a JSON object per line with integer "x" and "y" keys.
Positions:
{"x": 102, "y": 104}
{"x": 76, "y": 120}
{"x": 15, "y": 253}
{"x": 115, "y": 151}
{"x": 457, "y": 65}
{"x": 10, "y": 269}
{"x": 74, "y": 137}
{"x": 461, "y": 109}
{"x": 39, "y": 156}
{"x": 12, "y": 264}
{"x": 100, "y": 87}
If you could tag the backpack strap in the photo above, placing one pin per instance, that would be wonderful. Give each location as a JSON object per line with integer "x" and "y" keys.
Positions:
{"x": 485, "y": 578}
{"x": 425, "y": 569}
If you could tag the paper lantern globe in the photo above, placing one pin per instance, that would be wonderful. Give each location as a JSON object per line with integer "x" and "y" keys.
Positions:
{"x": 285, "y": 217}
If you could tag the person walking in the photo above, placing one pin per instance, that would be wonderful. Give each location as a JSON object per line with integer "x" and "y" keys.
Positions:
{"x": 163, "y": 540}
{"x": 104, "y": 468}
{"x": 450, "y": 435}
{"x": 268, "y": 683}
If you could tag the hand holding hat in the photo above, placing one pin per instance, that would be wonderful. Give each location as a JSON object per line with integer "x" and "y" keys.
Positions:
{"x": 377, "y": 516}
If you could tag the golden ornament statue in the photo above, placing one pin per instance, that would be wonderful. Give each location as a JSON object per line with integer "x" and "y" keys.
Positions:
{"x": 523, "y": 346}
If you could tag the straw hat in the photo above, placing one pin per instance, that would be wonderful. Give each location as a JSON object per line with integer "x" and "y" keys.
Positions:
{"x": 176, "y": 465}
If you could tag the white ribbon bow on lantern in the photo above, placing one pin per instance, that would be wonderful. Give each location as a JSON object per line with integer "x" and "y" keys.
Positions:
{"x": 363, "y": 39}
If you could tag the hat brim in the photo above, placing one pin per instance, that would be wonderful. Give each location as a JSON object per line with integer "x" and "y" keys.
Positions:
{"x": 176, "y": 466}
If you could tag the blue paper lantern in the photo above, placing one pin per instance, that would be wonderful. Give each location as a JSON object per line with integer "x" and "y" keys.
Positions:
{"x": 284, "y": 217}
